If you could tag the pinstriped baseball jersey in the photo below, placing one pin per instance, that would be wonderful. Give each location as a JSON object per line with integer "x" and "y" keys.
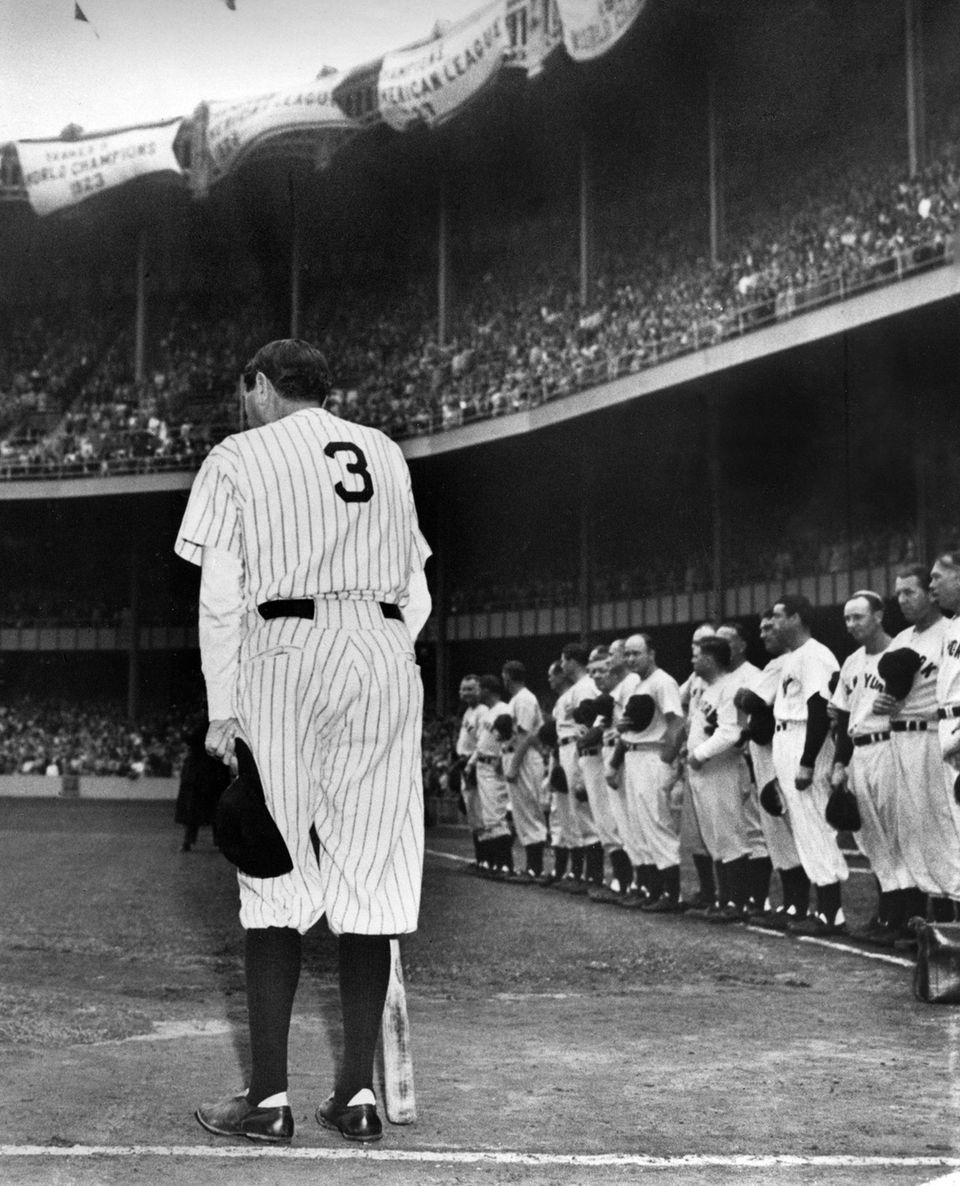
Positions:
{"x": 331, "y": 707}
{"x": 312, "y": 505}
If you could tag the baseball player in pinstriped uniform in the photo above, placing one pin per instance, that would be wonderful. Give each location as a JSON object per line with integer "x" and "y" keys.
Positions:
{"x": 649, "y": 772}
{"x": 755, "y": 698}
{"x": 466, "y": 746}
{"x": 864, "y": 760}
{"x": 312, "y": 592}
{"x": 523, "y": 767}
{"x": 945, "y": 590}
{"x": 760, "y": 867}
{"x": 925, "y": 822}
{"x": 561, "y": 834}
{"x": 496, "y": 841}
{"x": 803, "y": 759}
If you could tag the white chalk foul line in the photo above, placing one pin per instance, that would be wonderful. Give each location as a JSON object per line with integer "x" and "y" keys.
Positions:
{"x": 252, "y": 1151}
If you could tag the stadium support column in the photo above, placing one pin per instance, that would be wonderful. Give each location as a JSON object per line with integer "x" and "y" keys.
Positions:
{"x": 715, "y": 170}
{"x": 133, "y": 653}
{"x": 913, "y": 55}
{"x": 295, "y": 250}
{"x": 140, "y": 325}
{"x": 585, "y": 216}
{"x": 716, "y": 505}
{"x": 443, "y": 259}
{"x": 585, "y": 567}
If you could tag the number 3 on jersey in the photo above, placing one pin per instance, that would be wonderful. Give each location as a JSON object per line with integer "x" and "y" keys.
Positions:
{"x": 357, "y": 466}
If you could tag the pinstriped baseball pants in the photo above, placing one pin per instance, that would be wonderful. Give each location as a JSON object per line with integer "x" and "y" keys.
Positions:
{"x": 332, "y": 712}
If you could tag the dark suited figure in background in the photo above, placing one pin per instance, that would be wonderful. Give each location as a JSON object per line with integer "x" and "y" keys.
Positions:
{"x": 202, "y": 781}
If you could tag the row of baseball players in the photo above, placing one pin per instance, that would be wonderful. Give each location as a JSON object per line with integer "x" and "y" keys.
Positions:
{"x": 757, "y": 753}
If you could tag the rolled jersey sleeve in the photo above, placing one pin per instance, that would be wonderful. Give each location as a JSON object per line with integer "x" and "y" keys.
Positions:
{"x": 220, "y": 630}
{"x": 211, "y": 519}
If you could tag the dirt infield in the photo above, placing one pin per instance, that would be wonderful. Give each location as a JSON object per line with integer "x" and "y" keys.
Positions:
{"x": 555, "y": 1040}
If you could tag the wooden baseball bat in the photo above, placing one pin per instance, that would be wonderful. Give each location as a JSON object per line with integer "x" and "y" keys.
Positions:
{"x": 401, "y": 1101}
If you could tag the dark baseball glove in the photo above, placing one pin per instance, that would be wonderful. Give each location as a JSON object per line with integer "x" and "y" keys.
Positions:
{"x": 590, "y": 740}
{"x": 639, "y": 711}
{"x": 503, "y": 726}
{"x": 771, "y": 798}
{"x": 585, "y": 713}
{"x": 897, "y": 669}
{"x": 547, "y": 734}
{"x": 842, "y": 811}
{"x": 604, "y": 707}
{"x": 761, "y": 725}
{"x": 246, "y": 832}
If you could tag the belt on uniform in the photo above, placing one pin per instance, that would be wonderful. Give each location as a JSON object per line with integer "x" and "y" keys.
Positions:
{"x": 870, "y": 738}
{"x": 305, "y": 607}
{"x": 507, "y": 750}
{"x": 912, "y": 726}
{"x": 633, "y": 746}
{"x": 781, "y": 725}
{"x": 488, "y": 759}
{"x": 948, "y": 713}
{"x": 590, "y": 753}
{"x": 567, "y": 740}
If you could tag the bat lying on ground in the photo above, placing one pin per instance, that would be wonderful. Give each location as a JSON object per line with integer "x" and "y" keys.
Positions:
{"x": 401, "y": 1102}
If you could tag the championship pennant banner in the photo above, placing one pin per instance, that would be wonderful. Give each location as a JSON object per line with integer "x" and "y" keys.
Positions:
{"x": 233, "y": 129}
{"x": 432, "y": 82}
{"x": 592, "y": 27}
{"x": 59, "y": 173}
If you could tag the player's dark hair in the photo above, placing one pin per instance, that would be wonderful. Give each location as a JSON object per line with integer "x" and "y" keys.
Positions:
{"x": 297, "y": 370}
{"x": 797, "y": 604}
{"x": 490, "y": 683}
{"x": 555, "y": 668}
{"x": 874, "y": 600}
{"x": 920, "y": 571}
{"x": 515, "y": 670}
{"x": 717, "y": 648}
{"x": 577, "y": 652}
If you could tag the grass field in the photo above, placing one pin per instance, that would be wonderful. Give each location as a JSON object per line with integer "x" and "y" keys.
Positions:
{"x": 555, "y": 1040}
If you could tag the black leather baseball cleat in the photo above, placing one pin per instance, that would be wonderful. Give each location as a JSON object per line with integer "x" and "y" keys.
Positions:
{"x": 237, "y": 1117}
{"x": 356, "y": 1122}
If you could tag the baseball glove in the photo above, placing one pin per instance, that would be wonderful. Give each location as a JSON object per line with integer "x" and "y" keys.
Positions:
{"x": 760, "y": 726}
{"x": 503, "y": 726}
{"x": 639, "y": 712}
{"x": 246, "y": 832}
{"x": 771, "y": 798}
{"x": 585, "y": 713}
{"x": 842, "y": 811}
{"x": 547, "y": 734}
{"x": 590, "y": 740}
{"x": 604, "y": 707}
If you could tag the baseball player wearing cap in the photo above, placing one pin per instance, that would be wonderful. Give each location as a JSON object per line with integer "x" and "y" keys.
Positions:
{"x": 754, "y": 699}
{"x": 496, "y": 840}
{"x": 586, "y": 850}
{"x": 312, "y": 592}
{"x": 714, "y": 766}
{"x": 925, "y": 826}
{"x": 466, "y": 747}
{"x": 803, "y": 759}
{"x": 864, "y": 761}
{"x": 650, "y": 771}
{"x": 523, "y": 767}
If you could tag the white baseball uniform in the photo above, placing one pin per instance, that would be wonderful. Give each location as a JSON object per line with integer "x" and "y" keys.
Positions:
{"x": 776, "y": 830}
{"x": 806, "y": 672}
{"x": 691, "y": 834}
{"x": 648, "y": 779}
{"x": 493, "y": 798}
{"x": 926, "y": 823}
{"x": 524, "y": 790}
{"x": 574, "y": 823}
{"x": 872, "y": 770}
{"x": 632, "y": 840}
{"x": 466, "y": 747}
{"x": 317, "y": 509}
{"x": 717, "y": 787}
{"x": 743, "y": 676}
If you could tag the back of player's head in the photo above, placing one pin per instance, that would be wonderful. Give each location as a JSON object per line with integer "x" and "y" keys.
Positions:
{"x": 795, "y": 604}
{"x": 297, "y": 370}
{"x": 490, "y": 683}
{"x": 874, "y": 600}
{"x": 514, "y": 670}
{"x": 718, "y": 649}
{"x": 576, "y": 652}
{"x": 920, "y": 571}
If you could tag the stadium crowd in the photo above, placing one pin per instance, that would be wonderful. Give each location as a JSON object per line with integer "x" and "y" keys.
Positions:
{"x": 744, "y": 770}
{"x": 519, "y": 335}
